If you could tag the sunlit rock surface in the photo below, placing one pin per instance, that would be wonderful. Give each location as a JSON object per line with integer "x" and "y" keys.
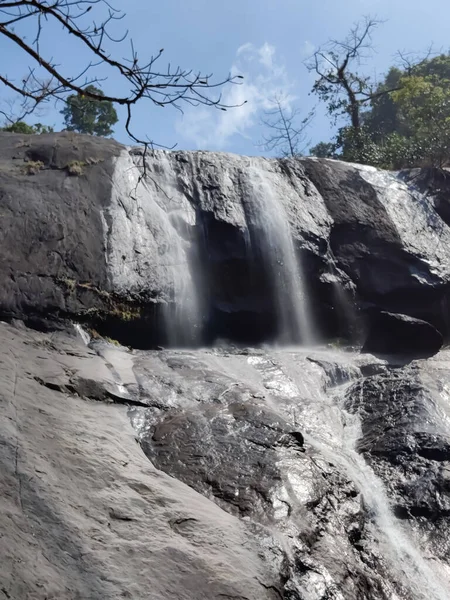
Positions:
{"x": 84, "y": 515}
{"x": 290, "y": 473}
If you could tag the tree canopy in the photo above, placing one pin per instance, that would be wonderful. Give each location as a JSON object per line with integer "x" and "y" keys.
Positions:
{"x": 22, "y": 127}
{"x": 402, "y": 121}
{"x": 84, "y": 115}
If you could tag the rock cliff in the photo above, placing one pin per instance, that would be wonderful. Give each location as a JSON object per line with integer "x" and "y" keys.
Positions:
{"x": 276, "y": 422}
{"x": 199, "y": 246}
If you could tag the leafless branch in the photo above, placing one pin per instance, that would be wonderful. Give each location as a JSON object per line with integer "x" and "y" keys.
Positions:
{"x": 410, "y": 61}
{"x": 145, "y": 81}
{"x": 339, "y": 84}
{"x": 286, "y": 128}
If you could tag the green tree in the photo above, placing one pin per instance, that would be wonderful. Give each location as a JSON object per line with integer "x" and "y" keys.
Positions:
{"x": 22, "y": 127}
{"x": 402, "y": 121}
{"x": 423, "y": 103}
{"x": 383, "y": 117}
{"x": 85, "y": 115}
{"x": 323, "y": 150}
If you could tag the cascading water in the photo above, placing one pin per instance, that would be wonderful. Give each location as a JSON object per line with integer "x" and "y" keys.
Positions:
{"x": 288, "y": 384}
{"x": 414, "y": 572}
{"x": 334, "y": 433}
{"x": 176, "y": 217}
{"x": 312, "y": 499}
{"x": 272, "y": 243}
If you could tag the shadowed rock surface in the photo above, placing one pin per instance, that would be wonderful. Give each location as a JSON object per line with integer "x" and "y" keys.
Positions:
{"x": 394, "y": 334}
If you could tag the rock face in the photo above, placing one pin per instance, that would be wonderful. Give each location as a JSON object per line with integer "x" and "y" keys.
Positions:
{"x": 84, "y": 515}
{"x": 209, "y": 245}
{"x": 215, "y": 471}
{"x": 273, "y": 474}
{"x": 227, "y": 424}
{"x": 52, "y": 231}
{"x": 394, "y": 334}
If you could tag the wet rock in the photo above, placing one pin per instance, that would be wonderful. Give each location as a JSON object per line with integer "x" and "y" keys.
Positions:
{"x": 185, "y": 257}
{"x": 391, "y": 334}
{"x": 252, "y": 458}
{"x": 404, "y": 437}
{"x": 299, "y": 484}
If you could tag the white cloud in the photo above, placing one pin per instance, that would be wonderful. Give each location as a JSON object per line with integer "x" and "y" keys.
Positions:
{"x": 267, "y": 55}
{"x": 264, "y": 77}
{"x": 244, "y": 48}
{"x": 307, "y": 49}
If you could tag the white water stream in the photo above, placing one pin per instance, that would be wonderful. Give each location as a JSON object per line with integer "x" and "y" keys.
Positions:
{"x": 334, "y": 433}
{"x": 272, "y": 241}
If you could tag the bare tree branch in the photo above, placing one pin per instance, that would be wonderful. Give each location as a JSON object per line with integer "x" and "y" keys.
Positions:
{"x": 145, "y": 81}
{"x": 339, "y": 84}
{"x": 287, "y": 131}
{"x": 410, "y": 62}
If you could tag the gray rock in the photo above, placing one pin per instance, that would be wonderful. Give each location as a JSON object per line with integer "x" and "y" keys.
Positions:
{"x": 180, "y": 257}
{"x": 274, "y": 472}
{"x": 83, "y": 513}
{"x": 310, "y": 474}
{"x": 52, "y": 242}
{"x": 224, "y": 425}
{"x": 394, "y": 334}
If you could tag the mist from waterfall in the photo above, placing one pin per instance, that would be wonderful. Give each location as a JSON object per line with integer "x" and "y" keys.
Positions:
{"x": 272, "y": 243}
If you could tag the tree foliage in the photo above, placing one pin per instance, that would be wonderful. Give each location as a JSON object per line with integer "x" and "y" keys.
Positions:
{"x": 324, "y": 150}
{"x": 22, "y": 127}
{"x": 402, "y": 121}
{"x": 84, "y": 115}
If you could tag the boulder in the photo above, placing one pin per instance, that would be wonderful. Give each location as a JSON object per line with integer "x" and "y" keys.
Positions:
{"x": 396, "y": 334}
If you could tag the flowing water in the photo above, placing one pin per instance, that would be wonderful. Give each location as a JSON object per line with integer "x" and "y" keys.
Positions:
{"x": 334, "y": 433}
{"x": 272, "y": 242}
{"x": 177, "y": 220}
{"x": 169, "y": 214}
{"x": 413, "y": 570}
{"x": 290, "y": 379}
{"x": 306, "y": 387}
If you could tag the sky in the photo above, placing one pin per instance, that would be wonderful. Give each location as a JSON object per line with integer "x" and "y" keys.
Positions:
{"x": 266, "y": 41}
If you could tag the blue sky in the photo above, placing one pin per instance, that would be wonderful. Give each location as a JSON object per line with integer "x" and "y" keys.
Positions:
{"x": 267, "y": 41}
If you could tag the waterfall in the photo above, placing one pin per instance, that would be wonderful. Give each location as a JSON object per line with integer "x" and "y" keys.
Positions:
{"x": 182, "y": 314}
{"x": 154, "y": 227}
{"x": 415, "y": 572}
{"x": 272, "y": 243}
{"x": 334, "y": 433}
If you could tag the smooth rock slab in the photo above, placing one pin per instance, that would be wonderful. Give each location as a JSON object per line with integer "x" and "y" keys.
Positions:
{"x": 83, "y": 513}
